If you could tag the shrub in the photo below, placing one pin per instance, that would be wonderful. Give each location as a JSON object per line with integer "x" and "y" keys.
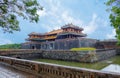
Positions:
{"x": 83, "y": 49}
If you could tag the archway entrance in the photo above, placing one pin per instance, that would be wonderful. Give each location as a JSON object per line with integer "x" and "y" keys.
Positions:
{"x": 33, "y": 47}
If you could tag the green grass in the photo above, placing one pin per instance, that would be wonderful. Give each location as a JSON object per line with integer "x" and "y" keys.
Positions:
{"x": 83, "y": 49}
{"x": 97, "y": 66}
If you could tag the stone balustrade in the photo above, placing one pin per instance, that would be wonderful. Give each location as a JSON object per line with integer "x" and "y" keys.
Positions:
{"x": 47, "y": 70}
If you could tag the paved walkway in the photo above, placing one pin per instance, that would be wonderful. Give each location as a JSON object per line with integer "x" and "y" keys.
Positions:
{"x": 112, "y": 68}
{"x": 7, "y": 72}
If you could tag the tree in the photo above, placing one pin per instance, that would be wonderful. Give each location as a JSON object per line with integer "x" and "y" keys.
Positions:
{"x": 114, "y": 8}
{"x": 10, "y": 46}
{"x": 11, "y": 9}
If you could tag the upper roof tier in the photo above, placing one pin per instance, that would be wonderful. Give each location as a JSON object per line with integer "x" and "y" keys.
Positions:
{"x": 71, "y": 26}
{"x": 76, "y": 30}
{"x": 34, "y": 33}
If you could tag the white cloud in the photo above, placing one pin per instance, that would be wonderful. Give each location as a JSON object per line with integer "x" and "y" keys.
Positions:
{"x": 5, "y": 41}
{"x": 92, "y": 25}
{"x": 54, "y": 7}
{"x": 59, "y": 15}
{"x": 111, "y": 35}
{"x": 67, "y": 18}
{"x": 41, "y": 12}
{"x": 51, "y": 8}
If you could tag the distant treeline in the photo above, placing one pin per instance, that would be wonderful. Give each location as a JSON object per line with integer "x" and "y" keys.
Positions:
{"x": 10, "y": 46}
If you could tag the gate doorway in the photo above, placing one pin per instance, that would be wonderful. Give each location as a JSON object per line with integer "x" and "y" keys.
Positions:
{"x": 33, "y": 47}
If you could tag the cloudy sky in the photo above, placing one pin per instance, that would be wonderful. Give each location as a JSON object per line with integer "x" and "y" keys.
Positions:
{"x": 88, "y": 14}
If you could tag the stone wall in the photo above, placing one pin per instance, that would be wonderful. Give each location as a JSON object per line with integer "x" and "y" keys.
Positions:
{"x": 105, "y": 54}
{"x": 30, "y": 46}
{"x": 61, "y": 44}
{"x": 82, "y": 56}
{"x": 118, "y": 51}
{"x": 66, "y": 44}
{"x": 47, "y": 70}
{"x": 22, "y": 53}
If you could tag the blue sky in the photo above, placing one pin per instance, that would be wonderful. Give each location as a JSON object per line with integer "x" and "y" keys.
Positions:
{"x": 88, "y": 14}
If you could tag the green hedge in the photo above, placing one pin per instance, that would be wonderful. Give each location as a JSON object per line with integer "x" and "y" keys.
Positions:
{"x": 83, "y": 49}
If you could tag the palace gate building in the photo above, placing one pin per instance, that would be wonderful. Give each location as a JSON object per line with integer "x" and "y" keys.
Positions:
{"x": 69, "y": 36}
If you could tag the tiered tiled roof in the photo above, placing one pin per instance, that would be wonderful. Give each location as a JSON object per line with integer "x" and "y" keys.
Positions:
{"x": 54, "y": 32}
{"x": 34, "y": 33}
{"x": 72, "y": 26}
{"x": 77, "y": 31}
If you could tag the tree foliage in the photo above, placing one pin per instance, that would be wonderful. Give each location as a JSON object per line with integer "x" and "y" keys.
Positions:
{"x": 10, "y": 9}
{"x": 114, "y": 8}
{"x": 10, "y": 46}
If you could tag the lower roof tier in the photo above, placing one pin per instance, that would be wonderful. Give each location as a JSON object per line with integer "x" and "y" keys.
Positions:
{"x": 71, "y": 33}
{"x": 35, "y": 39}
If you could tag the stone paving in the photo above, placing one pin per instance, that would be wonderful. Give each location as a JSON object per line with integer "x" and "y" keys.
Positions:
{"x": 7, "y": 72}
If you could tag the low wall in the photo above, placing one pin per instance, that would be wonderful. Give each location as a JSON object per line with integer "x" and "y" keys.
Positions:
{"x": 118, "y": 51}
{"x": 22, "y": 53}
{"x": 82, "y": 56}
{"x": 47, "y": 70}
{"x": 17, "y": 51}
{"x": 105, "y": 54}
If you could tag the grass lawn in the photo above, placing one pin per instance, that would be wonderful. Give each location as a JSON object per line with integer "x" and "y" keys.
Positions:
{"x": 97, "y": 66}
